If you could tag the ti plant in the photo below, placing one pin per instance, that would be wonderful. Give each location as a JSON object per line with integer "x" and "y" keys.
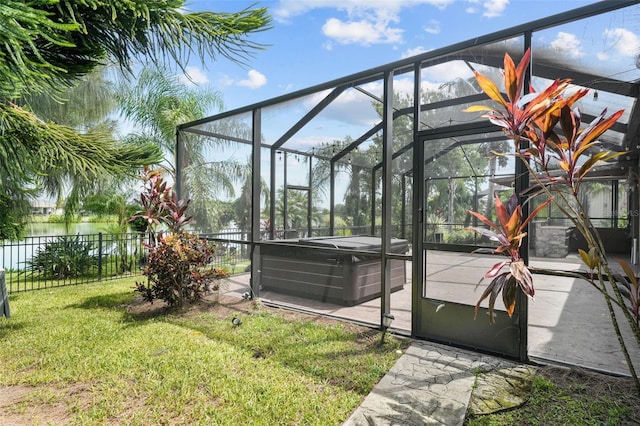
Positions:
{"x": 179, "y": 265}
{"x": 548, "y": 134}
{"x": 160, "y": 205}
{"x": 509, "y": 233}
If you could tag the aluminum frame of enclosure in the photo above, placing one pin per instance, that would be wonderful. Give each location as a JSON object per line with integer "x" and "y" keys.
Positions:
{"x": 411, "y": 161}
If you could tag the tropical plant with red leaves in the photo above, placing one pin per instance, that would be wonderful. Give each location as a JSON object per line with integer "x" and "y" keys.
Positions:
{"x": 509, "y": 233}
{"x": 547, "y": 130}
{"x": 178, "y": 267}
{"x": 160, "y": 205}
{"x": 179, "y": 270}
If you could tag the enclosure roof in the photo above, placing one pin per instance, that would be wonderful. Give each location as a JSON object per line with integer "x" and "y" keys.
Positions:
{"x": 612, "y": 88}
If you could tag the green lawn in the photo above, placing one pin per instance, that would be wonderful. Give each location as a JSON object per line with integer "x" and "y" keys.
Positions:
{"x": 77, "y": 355}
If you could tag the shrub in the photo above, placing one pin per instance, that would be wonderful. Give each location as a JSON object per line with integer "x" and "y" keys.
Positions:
{"x": 460, "y": 236}
{"x": 178, "y": 265}
{"x": 177, "y": 270}
{"x": 66, "y": 257}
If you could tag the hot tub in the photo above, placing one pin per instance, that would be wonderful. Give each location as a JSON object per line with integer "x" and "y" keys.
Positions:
{"x": 308, "y": 271}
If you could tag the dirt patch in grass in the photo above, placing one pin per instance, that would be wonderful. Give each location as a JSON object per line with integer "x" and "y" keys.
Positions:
{"x": 227, "y": 306}
{"x": 41, "y": 405}
{"x": 587, "y": 385}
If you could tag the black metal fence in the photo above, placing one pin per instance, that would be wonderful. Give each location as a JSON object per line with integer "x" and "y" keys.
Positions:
{"x": 54, "y": 261}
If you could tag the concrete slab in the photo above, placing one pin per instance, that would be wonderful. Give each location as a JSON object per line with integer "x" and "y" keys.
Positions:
{"x": 430, "y": 384}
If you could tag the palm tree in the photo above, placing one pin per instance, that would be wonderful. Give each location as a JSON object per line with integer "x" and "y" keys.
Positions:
{"x": 85, "y": 106}
{"x": 157, "y": 102}
{"x": 48, "y": 46}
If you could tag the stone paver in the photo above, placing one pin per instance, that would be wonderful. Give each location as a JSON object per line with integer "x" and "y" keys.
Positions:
{"x": 430, "y": 384}
{"x": 501, "y": 389}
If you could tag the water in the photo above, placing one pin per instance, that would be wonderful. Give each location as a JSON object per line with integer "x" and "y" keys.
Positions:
{"x": 50, "y": 229}
{"x": 14, "y": 254}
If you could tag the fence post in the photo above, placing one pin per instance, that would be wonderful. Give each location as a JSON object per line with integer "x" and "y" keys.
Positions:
{"x": 99, "y": 256}
{"x": 4, "y": 296}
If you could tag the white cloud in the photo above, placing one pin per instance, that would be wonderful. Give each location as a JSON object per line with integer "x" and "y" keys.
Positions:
{"x": 193, "y": 76}
{"x": 623, "y": 41}
{"x": 287, "y": 9}
{"x": 433, "y": 27}
{"x": 413, "y": 52}
{"x": 493, "y": 8}
{"x": 225, "y": 80}
{"x": 361, "y": 32}
{"x": 447, "y": 71}
{"x": 567, "y": 44}
{"x": 364, "y": 22}
{"x": 254, "y": 80}
{"x": 287, "y": 88}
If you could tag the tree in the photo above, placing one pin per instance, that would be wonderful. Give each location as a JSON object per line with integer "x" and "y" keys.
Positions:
{"x": 48, "y": 46}
{"x": 157, "y": 102}
{"x": 86, "y": 105}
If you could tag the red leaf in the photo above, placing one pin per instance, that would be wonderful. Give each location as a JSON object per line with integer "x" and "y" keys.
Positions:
{"x": 495, "y": 269}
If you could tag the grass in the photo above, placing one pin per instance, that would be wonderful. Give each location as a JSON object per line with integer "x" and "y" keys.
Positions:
{"x": 79, "y": 355}
{"x": 571, "y": 397}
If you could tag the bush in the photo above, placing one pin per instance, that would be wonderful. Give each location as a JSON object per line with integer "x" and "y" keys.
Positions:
{"x": 460, "y": 236}
{"x": 177, "y": 270}
{"x": 67, "y": 257}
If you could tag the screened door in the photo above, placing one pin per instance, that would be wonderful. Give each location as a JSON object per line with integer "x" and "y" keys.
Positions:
{"x": 458, "y": 176}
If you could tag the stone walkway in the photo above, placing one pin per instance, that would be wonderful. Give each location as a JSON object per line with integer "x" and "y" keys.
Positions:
{"x": 430, "y": 384}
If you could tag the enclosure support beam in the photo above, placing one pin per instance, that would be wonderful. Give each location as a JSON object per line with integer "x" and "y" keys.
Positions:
{"x": 387, "y": 179}
{"x": 403, "y": 209}
{"x": 178, "y": 158}
{"x": 332, "y": 197}
{"x": 418, "y": 186}
{"x": 310, "y": 198}
{"x": 272, "y": 196}
{"x": 372, "y": 210}
{"x": 255, "y": 202}
{"x": 285, "y": 198}
{"x": 309, "y": 116}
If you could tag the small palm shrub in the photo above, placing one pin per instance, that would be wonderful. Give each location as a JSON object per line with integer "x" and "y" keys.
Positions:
{"x": 66, "y": 257}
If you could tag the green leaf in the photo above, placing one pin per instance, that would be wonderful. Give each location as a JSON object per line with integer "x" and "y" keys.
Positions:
{"x": 589, "y": 259}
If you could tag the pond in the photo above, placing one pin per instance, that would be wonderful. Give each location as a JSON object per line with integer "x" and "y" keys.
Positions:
{"x": 52, "y": 229}
{"x": 14, "y": 254}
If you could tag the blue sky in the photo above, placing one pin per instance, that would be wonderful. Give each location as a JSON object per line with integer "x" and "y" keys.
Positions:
{"x": 313, "y": 41}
